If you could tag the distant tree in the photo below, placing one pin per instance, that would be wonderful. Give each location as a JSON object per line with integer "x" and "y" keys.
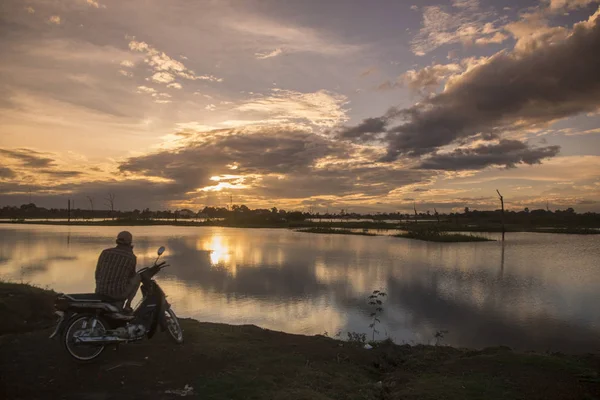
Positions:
{"x": 466, "y": 210}
{"x": 274, "y": 210}
{"x": 527, "y": 210}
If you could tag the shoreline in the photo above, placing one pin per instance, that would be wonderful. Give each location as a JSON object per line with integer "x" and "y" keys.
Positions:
{"x": 220, "y": 361}
{"x": 305, "y": 225}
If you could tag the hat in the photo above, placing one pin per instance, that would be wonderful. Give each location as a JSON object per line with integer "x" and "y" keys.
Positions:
{"x": 124, "y": 238}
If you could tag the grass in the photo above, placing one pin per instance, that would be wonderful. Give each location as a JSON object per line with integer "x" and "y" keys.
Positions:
{"x": 335, "y": 231}
{"x": 246, "y": 362}
{"x": 431, "y": 236}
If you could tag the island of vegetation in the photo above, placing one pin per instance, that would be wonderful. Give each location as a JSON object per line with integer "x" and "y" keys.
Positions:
{"x": 220, "y": 361}
{"x": 432, "y": 235}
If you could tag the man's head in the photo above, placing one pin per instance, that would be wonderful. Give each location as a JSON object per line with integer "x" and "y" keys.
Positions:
{"x": 124, "y": 238}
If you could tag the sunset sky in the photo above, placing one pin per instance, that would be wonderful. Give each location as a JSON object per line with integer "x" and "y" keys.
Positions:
{"x": 330, "y": 104}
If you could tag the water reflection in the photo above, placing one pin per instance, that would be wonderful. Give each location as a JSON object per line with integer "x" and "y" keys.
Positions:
{"x": 308, "y": 283}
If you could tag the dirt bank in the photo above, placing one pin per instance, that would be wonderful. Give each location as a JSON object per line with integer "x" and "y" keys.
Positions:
{"x": 246, "y": 362}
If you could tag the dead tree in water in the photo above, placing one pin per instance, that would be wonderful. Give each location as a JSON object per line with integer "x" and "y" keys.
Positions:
{"x": 91, "y": 200}
{"x": 110, "y": 203}
{"x": 436, "y": 215}
{"x": 502, "y": 204}
{"x": 415, "y": 208}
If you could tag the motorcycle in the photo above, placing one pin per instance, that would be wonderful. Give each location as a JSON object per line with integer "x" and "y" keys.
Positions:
{"x": 89, "y": 322}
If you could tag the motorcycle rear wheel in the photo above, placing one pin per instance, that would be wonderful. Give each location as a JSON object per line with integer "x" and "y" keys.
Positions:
{"x": 79, "y": 325}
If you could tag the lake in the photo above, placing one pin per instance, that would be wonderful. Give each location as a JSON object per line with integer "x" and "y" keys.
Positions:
{"x": 534, "y": 292}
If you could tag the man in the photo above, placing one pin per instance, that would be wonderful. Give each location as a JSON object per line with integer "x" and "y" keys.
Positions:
{"x": 115, "y": 272}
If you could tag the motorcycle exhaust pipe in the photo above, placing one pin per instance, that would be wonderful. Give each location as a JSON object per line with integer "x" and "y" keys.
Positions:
{"x": 99, "y": 340}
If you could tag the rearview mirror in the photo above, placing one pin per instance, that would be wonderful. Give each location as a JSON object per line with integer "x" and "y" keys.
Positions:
{"x": 161, "y": 250}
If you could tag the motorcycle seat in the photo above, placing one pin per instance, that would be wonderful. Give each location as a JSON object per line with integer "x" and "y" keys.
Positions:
{"x": 90, "y": 297}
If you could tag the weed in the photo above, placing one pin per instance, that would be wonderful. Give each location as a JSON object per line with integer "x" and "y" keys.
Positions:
{"x": 377, "y": 304}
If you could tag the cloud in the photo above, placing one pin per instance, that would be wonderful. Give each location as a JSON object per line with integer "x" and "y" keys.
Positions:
{"x": 30, "y": 10}
{"x": 271, "y": 161}
{"x": 498, "y": 37}
{"x": 366, "y": 130}
{"x": 28, "y": 158}
{"x": 94, "y": 4}
{"x": 321, "y": 108}
{"x": 60, "y": 174}
{"x": 427, "y": 78}
{"x": 464, "y": 22}
{"x": 146, "y": 89}
{"x": 166, "y": 68}
{"x": 508, "y": 91}
{"x": 506, "y": 153}
{"x": 163, "y": 77}
{"x": 585, "y": 132}
{"x": 270, "y": 54}
{"x": 127, "y": 64}
{"x": 414, "y": 7}
{"x": 263, "y": 150}
{"x": 174, "y": 85}
{"x": 210, "y": 107}
{"x": 556, "y": 5}
{"x": 6, "y": 173}
{"x": 125, "y": 73}
{"x": 287, "y": 37}
{"x": 55, "y": 19}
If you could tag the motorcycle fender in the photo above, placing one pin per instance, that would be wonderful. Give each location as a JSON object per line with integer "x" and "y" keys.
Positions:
{"x": 60, "y": 324}
{"x": 158, "y": 311}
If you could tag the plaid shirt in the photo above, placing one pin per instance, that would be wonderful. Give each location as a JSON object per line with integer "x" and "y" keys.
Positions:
{"x": 115, "y": 269}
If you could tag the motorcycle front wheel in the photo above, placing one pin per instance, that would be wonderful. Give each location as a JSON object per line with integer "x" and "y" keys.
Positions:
{"x": 172, "y": 326}
{"x": 81, "y": 326}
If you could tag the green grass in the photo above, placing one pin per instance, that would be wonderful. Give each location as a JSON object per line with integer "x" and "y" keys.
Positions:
{"x": 443, "y": 237}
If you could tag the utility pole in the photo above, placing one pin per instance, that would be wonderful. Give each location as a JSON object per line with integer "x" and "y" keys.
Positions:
{"x": 69, "y": 210}
{"x": 415, "y": 208}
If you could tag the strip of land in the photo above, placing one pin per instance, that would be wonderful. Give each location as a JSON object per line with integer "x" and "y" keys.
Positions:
{"x": 246, "y": 362}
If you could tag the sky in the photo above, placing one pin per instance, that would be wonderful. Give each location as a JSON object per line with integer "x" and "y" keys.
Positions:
{"x": 305, "y": 105}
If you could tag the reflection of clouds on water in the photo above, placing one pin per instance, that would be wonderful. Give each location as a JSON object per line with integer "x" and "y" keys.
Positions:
{"x": 483, "y": 325}
{"x": 524, "y": 295}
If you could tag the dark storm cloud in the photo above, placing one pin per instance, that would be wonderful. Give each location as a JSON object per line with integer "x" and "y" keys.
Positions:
{"x": 6, "y": 172}
{"x": 28, "y": 158}
{"x": 508, "y": 153}
{"x": 508, "y": 91}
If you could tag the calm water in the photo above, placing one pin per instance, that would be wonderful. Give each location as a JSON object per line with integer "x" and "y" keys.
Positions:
{"x": 538, "y": 291}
